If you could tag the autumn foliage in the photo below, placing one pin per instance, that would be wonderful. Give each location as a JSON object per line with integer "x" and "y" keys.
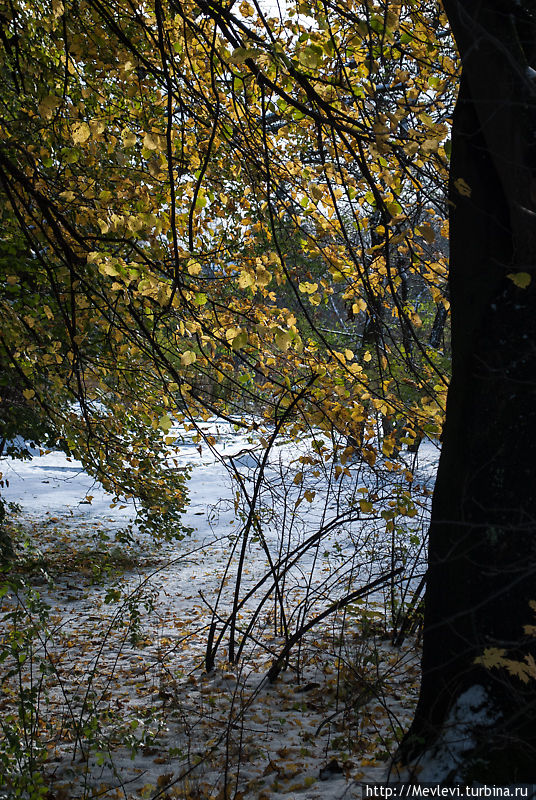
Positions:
{"x": 215, "y": 211}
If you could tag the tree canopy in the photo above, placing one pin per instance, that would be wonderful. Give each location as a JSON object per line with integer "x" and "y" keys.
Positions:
{"x": 214, "y": 210}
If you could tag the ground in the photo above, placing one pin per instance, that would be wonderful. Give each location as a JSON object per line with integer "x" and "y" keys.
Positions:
{"x": 108, "y": 694}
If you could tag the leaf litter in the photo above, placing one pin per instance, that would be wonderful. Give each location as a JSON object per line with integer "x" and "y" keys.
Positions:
{"x": 123, "y": 706}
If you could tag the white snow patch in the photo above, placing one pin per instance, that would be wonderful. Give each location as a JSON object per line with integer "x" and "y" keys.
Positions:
{"x": 473, "y": 709}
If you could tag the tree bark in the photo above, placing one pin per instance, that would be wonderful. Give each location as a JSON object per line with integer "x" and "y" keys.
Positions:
{"x": 473, "y": 723}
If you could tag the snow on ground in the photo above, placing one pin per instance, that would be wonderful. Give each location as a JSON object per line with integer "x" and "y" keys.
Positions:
{"x": 130, "y": 711}
{"x": 473, "y": 711}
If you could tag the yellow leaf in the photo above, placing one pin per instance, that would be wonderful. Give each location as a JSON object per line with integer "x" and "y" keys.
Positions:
{"x": 134, "y": 224}
{"x": 431, "y": 146}
{"x": 107, "y": 268}
{"x": 194, "y": 267}
{"x": 366, "y": 506}
{"x": 282, "y": 340}
{"x": 240, "y": 340}
{"x": 188, "y": 358}
{"x": 348, "y": 354}
{"x": 367, "y": 357}
{"x": 97, "y": 127}
{"x": 308, "y": 288}
{"x": 128, "y": 137}
{"x": 521, "y": 279}
{"x": 427, "y": 232}
{"x": 369, "y": 455}
{"x": 48, "y": 105}
{"x": 151, "y": 141}
{"x": 165, "y": 423}
{"x": 492, "y": 657}
{"x": 518, "y": 669}
{"x": 245, "y": 280}
{"x": 263, "y": 277}
{"x": 463, "y": 187}
{"x": 241, "y": 54}
{"x": 81, "y": 132}
{"x": 245, "y": 9}
{"x": 28, "y": 393}
{"x": 531, "y": 665}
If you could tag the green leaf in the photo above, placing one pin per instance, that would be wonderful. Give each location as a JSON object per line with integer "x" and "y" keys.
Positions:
{"x": 311, "y": 57}
{"x": 165, "y": 423}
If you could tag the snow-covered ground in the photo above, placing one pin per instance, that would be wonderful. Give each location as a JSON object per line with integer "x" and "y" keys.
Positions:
{"x": 129, "y": 702}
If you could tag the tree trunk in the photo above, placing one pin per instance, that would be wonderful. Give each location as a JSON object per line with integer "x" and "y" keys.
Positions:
{"x": 438, "y": 327}
{"x": 474, "y": 723}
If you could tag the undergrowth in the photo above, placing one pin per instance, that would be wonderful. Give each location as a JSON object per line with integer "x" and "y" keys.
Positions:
{"x": 103, "y": 692}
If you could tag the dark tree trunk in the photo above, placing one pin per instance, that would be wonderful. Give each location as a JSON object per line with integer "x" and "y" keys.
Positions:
{"x": 436, "y": 336}
{"x": 473, "y": 723}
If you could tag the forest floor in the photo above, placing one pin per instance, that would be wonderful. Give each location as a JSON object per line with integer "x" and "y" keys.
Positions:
{"x": 105, "y": 691}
